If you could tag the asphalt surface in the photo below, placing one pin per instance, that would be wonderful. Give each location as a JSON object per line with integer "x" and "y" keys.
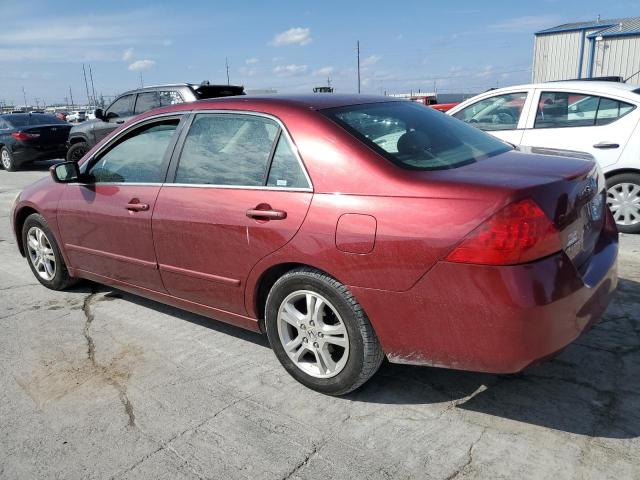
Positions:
{"x": 98, "y": 383}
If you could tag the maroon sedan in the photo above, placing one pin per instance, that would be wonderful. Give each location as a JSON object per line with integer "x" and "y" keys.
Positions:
{"x": 348, "y": 228}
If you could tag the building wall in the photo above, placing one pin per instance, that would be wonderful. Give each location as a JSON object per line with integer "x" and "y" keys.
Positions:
{"x": 556, "y": 56}
{"x": 617, "y": 56}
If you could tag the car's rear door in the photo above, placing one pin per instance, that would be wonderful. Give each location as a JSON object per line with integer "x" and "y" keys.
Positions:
{"x": 239, "y": 192}
{"x": 106, "y": 222}
{"x": 582, "y": 122}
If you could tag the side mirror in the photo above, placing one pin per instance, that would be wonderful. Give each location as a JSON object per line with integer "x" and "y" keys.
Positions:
{"x": 65, "y": 172}
{"x": 99, "y": 114}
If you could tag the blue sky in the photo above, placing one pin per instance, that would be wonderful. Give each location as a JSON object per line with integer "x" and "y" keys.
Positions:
{"x": 458, "y": 46}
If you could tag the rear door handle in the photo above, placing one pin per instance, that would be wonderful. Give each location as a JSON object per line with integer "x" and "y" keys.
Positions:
{"x": 266, "y": 214}
{"x": 606, "y": 146}
{"x": 137, "y": 207}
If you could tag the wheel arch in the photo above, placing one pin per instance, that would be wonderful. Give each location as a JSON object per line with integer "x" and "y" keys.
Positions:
{"x": 621, "y": 171}
{"x": 78, "y": 138}
{"x": 19, "y": 219}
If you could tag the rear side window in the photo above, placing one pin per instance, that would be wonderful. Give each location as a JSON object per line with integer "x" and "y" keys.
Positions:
{"x": 146, "y": 101}
{"x": 565, "y": 109}
{"x": 286, "y": 171}
{"x": 416, "y": 137}
{"x": 169, "y": 97}
{"x": 501, "y": 112}
{"x": 136, "y": 158}
{"x": 24, "y": 120}
{"x": 227, "y": 149}
{"x": 122, "y": 107}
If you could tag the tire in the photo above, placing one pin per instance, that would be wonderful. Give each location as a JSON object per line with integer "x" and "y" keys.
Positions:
{"x": 7, "y": 161}
{"x": 623, "y": 198}
{"x": 77, "y": 151}
{"x": 354, "y": 363}
{"x": 59, "y": 278}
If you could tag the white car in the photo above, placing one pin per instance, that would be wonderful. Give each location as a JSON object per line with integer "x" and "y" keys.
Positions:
{"x": 77, "y": 116}
{"x": 600, "y": 118}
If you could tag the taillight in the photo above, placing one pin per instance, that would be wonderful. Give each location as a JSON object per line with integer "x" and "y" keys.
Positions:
{"x": 519, "y": 233}
{"x": 22, "y": 136}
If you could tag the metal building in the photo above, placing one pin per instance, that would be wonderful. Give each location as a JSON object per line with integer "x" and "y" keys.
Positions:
{"x": 601, "y": 48}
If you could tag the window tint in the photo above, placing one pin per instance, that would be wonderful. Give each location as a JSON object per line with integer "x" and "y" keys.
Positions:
{"x": 3, "y": 124}
{"x": 227, "y": 149}
{"x": 24, "y": 120}
{"x": 565, "y": 109}
{"x": 501, "y": 112}
{"x": 416, "y": 137}
{"x": 169, "y": 98}
{"x": 285, "y": 168}
{"x": 138, "y": 157}
{"x": 122, "y": 107}
{"x": 146, "y": 101}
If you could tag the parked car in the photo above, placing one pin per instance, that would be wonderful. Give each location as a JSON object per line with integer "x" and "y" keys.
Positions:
{"x": 27, "y": 137}
{"x": 444, "y": 107}
{"x": 429, "y": 241}
{"x": 84, "y": 137}
{"x": 76, "y": 116}
{"x": 600, "y": 118}
{"x": 61, "y": 115}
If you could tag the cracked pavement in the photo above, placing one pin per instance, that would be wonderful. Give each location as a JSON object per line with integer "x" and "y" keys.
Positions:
{"x": 98, "y": 383}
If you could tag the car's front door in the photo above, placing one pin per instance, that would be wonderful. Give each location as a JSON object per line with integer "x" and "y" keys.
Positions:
{"x": 118, "y": 112}
{"x": 500, "y": 115}
{"x": 581, "y": 122}
{"x": 105, "y": 222}
{"x": 240, "y": 192}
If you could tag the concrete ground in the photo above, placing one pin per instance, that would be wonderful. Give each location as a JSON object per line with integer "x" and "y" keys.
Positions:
{"x": 97, "y": 383}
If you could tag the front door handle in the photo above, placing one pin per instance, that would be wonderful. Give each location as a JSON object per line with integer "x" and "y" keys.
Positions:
{"x": 137, "y": 207}
{"x": 606, "y": 146}
{"x": 266, "y": 214}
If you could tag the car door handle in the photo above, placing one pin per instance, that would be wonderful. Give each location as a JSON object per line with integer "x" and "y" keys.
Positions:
{"x": 606, "y": 146}
{"x": 266, "y": 214}
{"x": 137, "y": 207}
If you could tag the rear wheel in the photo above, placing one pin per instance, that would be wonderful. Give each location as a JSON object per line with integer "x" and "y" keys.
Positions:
{"x": 623, "y": 199}
{"x": 6, "y": 158}
{"x": 43, "y": 254}
{"x": 77, "y": 151}
{"x": 320, "y": 333}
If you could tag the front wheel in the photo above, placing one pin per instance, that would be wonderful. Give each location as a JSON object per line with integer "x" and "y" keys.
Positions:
{"x": 623, "y": 199}
{"x": 77, "y": 151}
{"x": 320, "y": 333}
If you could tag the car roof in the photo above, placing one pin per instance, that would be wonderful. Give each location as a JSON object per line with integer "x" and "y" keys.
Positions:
{"x": 594, "y": 86}
{"x": 193, "y": 86}
{"x": 314, "y": 101}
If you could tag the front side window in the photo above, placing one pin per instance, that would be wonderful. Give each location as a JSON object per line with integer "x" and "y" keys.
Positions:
{"x": 566, "y": 109}
{"x": 146, "y": 101}
{"x": 416, "y": 137}
{"x": 122, "y": 107}
{"x": 138, "y": 157}
{"x": 501, "y": 112}
{"x": 227, "y": 149}
{"x": 169, "y": 97}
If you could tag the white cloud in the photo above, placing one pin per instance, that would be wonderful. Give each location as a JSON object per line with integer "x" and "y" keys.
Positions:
{"x": 485, "y": 72}
{"x": 293, "y": 36}
{"x": 249, "y": 72}
{"x": 526, "y": 24}
{"x": 127, "y": 56}
{"x": 370, "y": 60}
{"x": 142, "y": 65}
{"x": 251, "y": 61}
{"x": 290, "y": 70}
{"x": 323, "y": 72}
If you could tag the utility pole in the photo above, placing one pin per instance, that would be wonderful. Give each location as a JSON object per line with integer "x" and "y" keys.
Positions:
{"x": 86, "y": 85}
{"x": 24, "y": 96}
{"x": 93, "y": 88}
{"x": 358, "y": 54}
{"x": 141, "y": 81}
{"x": 226, "y": 62}
{"x": 71, "y": 95}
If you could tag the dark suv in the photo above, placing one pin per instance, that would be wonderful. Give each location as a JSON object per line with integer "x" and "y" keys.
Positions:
{"x": 84, "y": 136}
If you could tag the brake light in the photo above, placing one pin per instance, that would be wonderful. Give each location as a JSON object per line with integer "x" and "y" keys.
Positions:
{"x": 22, "y": 136}
{"x": 519, "y": 233}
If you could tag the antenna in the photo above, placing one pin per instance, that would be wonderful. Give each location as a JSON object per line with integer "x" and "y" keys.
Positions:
{"x": 358, "y": 54}
{"x": 141, "y": 81}
{"x": 93, "y": 89}
{"x": 226, "y": 62}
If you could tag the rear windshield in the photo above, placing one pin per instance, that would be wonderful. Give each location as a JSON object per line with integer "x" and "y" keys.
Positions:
{"x": 416, "y": 137}
{"x": 25, "y": 120}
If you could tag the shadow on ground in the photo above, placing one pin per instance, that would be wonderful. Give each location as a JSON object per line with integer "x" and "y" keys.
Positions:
{"x": 591, "y": 388}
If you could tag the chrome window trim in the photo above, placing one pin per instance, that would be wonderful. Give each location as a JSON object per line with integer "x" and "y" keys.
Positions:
{"x": 283, "y": 129}
{"x": 237, "y": 187}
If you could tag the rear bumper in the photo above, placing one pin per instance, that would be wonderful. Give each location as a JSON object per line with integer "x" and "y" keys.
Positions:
{"x": 24, "y": 154}
{"x": 494, "y": 319}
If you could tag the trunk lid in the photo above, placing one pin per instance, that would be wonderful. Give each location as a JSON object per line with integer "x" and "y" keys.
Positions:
{"x": 53, "y": 135}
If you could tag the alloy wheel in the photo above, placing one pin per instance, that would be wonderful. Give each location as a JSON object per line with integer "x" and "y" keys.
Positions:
{"x": 6, "y": 159}
{"x": 623, "y": 199}
{"x": 41, "y": 253}
{"x": 313, "y": 334}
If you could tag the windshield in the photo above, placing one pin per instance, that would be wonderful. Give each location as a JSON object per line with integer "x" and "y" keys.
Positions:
{"x": 25, "y": 120}
{"x": 416, "y": 137}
